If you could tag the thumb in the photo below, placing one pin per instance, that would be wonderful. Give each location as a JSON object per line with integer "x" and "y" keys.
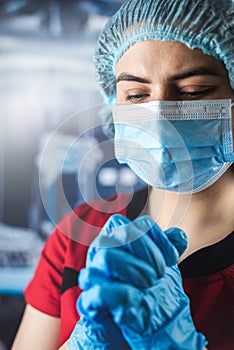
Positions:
{"x": 178, "y": 238}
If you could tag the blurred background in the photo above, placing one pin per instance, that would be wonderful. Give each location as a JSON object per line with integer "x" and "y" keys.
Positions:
{"x": 48, "y": 98}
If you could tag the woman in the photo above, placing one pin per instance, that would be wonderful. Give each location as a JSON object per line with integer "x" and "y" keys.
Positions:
{"x": 151, "y": 56}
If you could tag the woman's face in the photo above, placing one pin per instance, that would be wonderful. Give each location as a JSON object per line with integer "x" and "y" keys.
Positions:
{"x": 159, "y": 70}
{"x": 156, "y": 70}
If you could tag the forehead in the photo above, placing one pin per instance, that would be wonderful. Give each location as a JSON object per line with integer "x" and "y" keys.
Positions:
{"x": 165, "y": 57}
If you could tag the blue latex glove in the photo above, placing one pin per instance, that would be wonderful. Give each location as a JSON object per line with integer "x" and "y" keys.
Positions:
{"x": 100, "y": 333}
{"x": 151, "y": 311}
{"x": 146, "y": 255}
{"x": 156, "y": 318}
{"x": 138, "y": 252}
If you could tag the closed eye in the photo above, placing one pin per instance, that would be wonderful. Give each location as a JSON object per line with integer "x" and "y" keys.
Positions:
{"x": 196, "y": 93}
{"x": 137, "y": 97}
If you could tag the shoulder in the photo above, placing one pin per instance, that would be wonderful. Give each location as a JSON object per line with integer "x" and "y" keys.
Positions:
{"x": 210, "y": 261}
{"x": 80, "y": 226}
{"x": 208, "y": 279}
{"x": 84, "y": 222}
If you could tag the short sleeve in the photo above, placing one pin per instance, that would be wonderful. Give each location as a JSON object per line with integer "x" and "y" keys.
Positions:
{"x": 43, "y": 291}
{"x": 65, "y": 250}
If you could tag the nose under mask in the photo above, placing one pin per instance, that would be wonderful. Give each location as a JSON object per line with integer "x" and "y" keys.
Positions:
{"x": 177, "y": 146}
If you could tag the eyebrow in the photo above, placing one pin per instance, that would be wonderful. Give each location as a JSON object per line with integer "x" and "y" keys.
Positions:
{"x": 130, "y": 77}
{"x": 195, "y": 72}
{"x": 184, "y": 75}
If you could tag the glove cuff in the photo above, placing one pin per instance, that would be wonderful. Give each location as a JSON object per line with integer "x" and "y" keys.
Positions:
{"x": 84, "y": 336}
{"x": 179, "y": 334}
{"x": 95, "y": 335}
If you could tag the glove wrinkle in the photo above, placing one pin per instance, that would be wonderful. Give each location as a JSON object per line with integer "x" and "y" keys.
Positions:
{"x": 135, "y": 290}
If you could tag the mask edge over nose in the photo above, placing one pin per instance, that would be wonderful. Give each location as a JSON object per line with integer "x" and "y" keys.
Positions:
{"x": 218, "y": 110}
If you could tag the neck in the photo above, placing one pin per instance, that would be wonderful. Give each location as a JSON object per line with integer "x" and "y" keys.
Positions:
{"x": 206, "y": 217}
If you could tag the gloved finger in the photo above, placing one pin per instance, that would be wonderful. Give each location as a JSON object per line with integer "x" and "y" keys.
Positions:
{"x": 125, "y": 267}
{"x": 90, "y": 276}
{"x": 160, "y": 239}
{"x": 143, "y": 238}
{"x": 108, "y": 296}
{"x": 119, "y": 265}
{"x": 157, "y": 306}
{"x": 133, "y": 238}
{"x": 178, "y": 238}
{"x": 114, "y": 221}
{"x": 136, "y": 236}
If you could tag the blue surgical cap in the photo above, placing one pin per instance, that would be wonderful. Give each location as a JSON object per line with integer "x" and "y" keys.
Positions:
{"x": 204, "y": 24}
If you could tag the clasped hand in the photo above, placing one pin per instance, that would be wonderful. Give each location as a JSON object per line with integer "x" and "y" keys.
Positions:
{"x": 133, "y": 296}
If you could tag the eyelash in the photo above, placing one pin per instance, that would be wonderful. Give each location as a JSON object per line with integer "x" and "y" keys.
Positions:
{"x": 137, "y": 97}
{"x": 197, "y": 93}
{"x": 140, "y": 97}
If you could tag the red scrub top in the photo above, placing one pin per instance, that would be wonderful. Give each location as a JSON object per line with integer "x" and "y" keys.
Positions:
{"x": 208, "y": 274}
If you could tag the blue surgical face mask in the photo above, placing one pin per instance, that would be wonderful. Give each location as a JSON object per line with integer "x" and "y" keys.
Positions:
{"x": 176, "y": 146}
